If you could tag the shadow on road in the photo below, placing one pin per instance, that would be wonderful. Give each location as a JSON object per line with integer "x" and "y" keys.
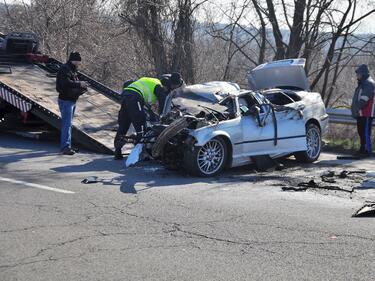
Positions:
{"x": 102, "y": 164}
{"x": 149, "y": 175}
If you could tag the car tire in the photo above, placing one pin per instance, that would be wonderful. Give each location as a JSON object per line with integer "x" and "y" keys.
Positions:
{"x": 195, "y": 162}
{"x": 314, "y": 145}
{"x": 173, "y": 129}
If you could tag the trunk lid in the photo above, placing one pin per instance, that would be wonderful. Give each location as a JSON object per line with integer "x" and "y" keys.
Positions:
{"x": 285, "y": 74}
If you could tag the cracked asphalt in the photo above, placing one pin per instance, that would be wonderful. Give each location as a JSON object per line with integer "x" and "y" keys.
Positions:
{"x": 148, "y": 223}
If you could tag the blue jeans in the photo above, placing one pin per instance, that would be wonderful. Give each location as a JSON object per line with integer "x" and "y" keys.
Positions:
{"x": 67, "y": 109}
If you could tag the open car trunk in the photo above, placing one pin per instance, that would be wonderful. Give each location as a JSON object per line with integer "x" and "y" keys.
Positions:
{"x": 283, "y": 74}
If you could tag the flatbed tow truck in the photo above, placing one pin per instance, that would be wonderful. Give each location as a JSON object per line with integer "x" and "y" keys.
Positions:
{"x": 27, "y": 84}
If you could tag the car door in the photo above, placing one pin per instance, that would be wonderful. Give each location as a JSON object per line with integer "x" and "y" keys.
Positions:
{"x": 268, "y": 132}
{"x": 256, "y": 140}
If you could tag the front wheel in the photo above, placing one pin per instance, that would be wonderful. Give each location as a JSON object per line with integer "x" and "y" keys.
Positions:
{"x": 314, "y": 145}
{"x": 207, "y": 160}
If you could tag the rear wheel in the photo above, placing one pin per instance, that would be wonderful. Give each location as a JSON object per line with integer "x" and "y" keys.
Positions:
{"x": 207, "y": 160}
{"x": 314, "y": 145}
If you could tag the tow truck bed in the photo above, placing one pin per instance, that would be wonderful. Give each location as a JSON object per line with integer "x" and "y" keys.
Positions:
{"x": 95, "y": 120}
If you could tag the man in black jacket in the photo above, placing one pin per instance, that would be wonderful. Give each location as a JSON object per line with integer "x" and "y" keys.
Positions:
{"x": 69, "y": 88}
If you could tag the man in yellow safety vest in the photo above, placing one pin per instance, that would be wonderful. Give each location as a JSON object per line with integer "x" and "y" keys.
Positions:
{"x": 136, "y": 95}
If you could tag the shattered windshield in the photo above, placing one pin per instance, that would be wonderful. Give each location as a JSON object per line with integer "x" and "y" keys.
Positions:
{"x": 196, "y": 98}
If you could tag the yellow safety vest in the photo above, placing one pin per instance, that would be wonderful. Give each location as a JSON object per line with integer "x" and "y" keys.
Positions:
{"x": 145, "y": 86}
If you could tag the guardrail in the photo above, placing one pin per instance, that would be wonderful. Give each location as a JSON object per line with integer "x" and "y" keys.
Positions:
{"x": 342, "y": 116}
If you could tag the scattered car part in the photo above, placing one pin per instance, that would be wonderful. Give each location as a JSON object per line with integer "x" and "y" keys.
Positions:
{"x": 173, "y": 129}
{"x": 291, "y": 188}
{"x": 314, "y": 185}
{"x": 329, "y": 174}
{"x": 344, "y": 174}
{"x": 92, "y": 179}
{"x": 95, "y": 179}
{"x": 348, "y": 157}
{"x": 367, "y": 210}
{"x": 328, "y": 179}
{"x": 134, "y": 155}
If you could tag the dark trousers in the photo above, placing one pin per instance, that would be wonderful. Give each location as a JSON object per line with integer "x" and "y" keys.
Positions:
{"x": 131, "y": 112}
{"x": 364, "y": 125}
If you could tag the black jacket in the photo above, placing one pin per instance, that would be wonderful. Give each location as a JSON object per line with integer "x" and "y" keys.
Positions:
{"x": 67, "y": 83}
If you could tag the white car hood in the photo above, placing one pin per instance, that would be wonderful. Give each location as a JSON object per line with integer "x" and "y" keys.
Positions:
{"x": 279, "y": 74}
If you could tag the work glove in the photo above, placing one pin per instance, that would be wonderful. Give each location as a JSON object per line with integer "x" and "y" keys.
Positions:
{"x": 84, "y": 84}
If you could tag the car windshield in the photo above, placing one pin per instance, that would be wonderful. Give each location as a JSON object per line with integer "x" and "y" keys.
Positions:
{"x": 193, "y": 99}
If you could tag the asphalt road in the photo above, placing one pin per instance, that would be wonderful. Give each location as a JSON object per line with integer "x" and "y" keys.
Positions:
{"x": 147, "y": 223}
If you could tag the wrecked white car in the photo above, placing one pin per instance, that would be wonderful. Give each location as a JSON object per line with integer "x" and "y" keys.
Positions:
{"x": 208, "y": 127}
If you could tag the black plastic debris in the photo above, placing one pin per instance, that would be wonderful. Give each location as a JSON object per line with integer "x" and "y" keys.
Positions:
{"x": 303, "y": 186}
{"x": 329, "y": 174}
{"x": 264, "y": 163}
{"x": 311, "y": 183}
{"x": 291, "y": 188}
{"x": 334, "y": 181}
{"x": 343, "y": 174}
{"x": 367, "y": 210}
{"x": 92, "y": 179}
{"x": 348, "y": 157}
{"x": 328, "y": 180}
{"x": 95, "y": 179}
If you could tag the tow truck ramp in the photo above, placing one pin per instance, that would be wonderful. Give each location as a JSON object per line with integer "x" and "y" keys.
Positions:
{"x": 31, "y": 88}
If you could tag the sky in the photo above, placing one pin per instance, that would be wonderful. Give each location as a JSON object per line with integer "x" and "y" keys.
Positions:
{"x": 366, "y": 26}
{"x": 363, "y": 6}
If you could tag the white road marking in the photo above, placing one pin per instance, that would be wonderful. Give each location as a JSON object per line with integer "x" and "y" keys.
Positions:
{"x": 36, "y": 185}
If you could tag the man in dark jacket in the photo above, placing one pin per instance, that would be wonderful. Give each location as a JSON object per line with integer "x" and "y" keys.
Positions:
{"x": 69, "y": 88}
{"x": 363, "y": 108}
{"x": 144, "y": 92}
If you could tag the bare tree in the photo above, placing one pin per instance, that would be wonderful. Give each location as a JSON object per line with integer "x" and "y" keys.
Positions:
{"x": 321, "y": 31}
{"x": 166, "y": 28}
{"x": 241, "y": 35}
{"x": 152, "y": 37}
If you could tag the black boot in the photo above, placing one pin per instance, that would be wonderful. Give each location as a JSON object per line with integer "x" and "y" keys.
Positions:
{"x": 118, "y": 154}
{"x": 68, "y": 151}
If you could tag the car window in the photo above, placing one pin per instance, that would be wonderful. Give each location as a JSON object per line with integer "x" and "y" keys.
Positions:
{"x": 229, "y": 103}
{"x": 278, "y": 98}
{"x": 245, "y": 103}
{"x": 260, "y": 98}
